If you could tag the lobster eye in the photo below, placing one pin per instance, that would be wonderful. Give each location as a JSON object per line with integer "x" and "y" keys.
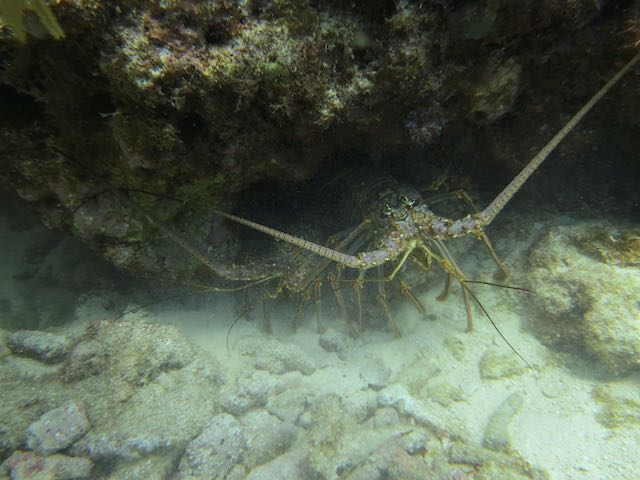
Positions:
{"x": 406, "y": 201}
{"x": 386, "y": 210}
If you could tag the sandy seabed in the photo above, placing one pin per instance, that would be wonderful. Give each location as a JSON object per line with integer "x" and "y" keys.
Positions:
{"x": 556, "y": 421}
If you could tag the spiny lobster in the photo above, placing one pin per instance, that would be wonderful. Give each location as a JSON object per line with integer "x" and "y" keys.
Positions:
{"x": 405, "y": 225}
{"x": 402, "y": 227}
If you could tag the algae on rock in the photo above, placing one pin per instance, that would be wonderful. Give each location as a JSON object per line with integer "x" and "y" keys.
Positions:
{"x": 587, "y": 285}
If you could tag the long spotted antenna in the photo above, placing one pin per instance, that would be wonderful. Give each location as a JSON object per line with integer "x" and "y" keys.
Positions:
{"x": 342, "y": 258}
{"x": 489, "y": 213}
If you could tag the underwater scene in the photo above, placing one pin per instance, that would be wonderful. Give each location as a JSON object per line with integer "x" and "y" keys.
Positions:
{"x": 320, "y": 240}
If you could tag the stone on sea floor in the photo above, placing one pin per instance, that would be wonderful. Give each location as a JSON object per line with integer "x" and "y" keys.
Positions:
{"x": 151, "y": 467}
{"x": 496, "y": 433}
{"x": 160, "y": 417}
{"x": 42, "y": 346}
{"x": 266, "y": 437}
{"x": 398, "y": 397}
{"x": 277, "y": 357}
{"x": 335, "y": 341}
{"x": 249, "y": 392}
{"x": 493, "y": 465}
{"x": 87, "y": 358}
{"x": 495, "y": 365}
{"x": 29, "y": 370}
{"x": 290, "y": 404}
{"x": 289, "y": 466}
{"x": 587, "y": 280}
{"x": 376, "y": 373}
{"x": 616, "y": 411}
{"x": 58, "y": 428}
{"x": 456, "y": 346}
{"x": 32, "y": 466}
{"x": 360, "y": 405}
{"x": 442, "y": 392}
{"x": 215, "y": 452}
{"x": 384, "y": 417}
{"x": 612, "y": 325}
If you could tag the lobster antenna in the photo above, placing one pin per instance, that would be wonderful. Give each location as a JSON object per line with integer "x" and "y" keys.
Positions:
{"x": 489, "y": 213}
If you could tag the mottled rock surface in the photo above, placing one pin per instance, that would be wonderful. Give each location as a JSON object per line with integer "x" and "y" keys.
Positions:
{"x": 587, "y": 282}
{"x": 33, "y": 466}
{"x": 58, "y": 429}
{"x": 215, "y": 452}
{"x": 266, "y": 437}
{"x": 277, "y": 357}
{"x": 42, "y": 346}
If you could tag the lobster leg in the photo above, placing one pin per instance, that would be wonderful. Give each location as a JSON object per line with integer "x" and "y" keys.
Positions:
{"x": 446, "y": 290}
{"x": 467, "y": 306}
{"x": 300, "y": 311}
{"x": 405, "y": 290}
{"x": 382, "y": 300}
{"x": 317, "y": 293}
{"x": 357, "y": 293}
{"x": 479, "y": 233}
{"x": 266, "y": 322}
{"x": 503, "y": 269}
{"x": 333, "y": 282}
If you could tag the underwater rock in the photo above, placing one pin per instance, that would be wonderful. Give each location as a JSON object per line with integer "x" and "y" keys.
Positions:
{"x": 360, "y": 405}
{"x": 28, "y": 369}
{"x": 494, "y": 91}
{"x": 492, "y": 465}
{"x": 277, "y": 357}
{"x": 58, "y": 428}
{"x": 135, "y": 352}
{"x": 376, "y": 373}
{"x": 616, "y": 411}
{"x": 289, "y": 466}
{"x": 147, "y": 398}
{"x": 32, "y": 466}
{"x": 456, "y": 346}
{"x": 496, "y": 433}
{"x": 384, "y": 417}
{"x": 162, "y": 416}
{"x": 587, "y": 285}
{"x": 43, "y": 346}
{"x": 290, "y": 404}
{"x": 335, "y": 341}
{"x": 495, "y": 365}
{"x": 88, "y": 357}
{"x": 266, "y": 437}
{"x": 398, "y": 397}
{"x": 442, "y": 392}
{"x": 251, "y": 391}
{"x": 215, "y": 452}
{"x": 154, "y": 466}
